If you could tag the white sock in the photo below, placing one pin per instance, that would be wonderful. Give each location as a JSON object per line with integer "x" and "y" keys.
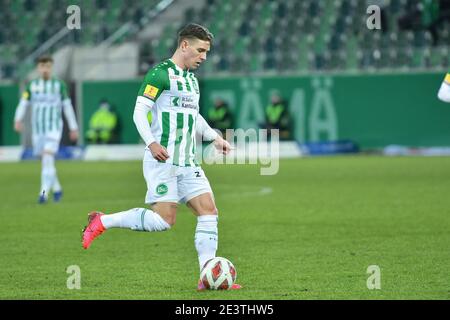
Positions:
{"x": 56, "y": 184}
{"x": 206, "y": 238}
{"x": 48, "y": 173}
{"x": 137, "y": 219}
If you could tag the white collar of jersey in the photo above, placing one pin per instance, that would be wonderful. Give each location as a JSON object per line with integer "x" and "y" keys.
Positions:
{"x": 45, "y": 80}
{"x": 177, "y": 67}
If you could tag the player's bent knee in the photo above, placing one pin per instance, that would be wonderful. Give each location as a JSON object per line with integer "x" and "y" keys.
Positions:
{"x": 207, "y": 206}
{"x": 209, "y": 209}
{"x": 167, "y": 216}
{"x": 203, "y": 205}
{"x": 170, "y": 220}
{"x": 167, "y": 212}
{"x": 153, "y": 221}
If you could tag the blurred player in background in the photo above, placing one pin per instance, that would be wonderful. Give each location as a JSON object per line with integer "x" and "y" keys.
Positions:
{"x": 47, "y": 96}
{"x": 444, "y": 91}
{"x": 171, "y": 93}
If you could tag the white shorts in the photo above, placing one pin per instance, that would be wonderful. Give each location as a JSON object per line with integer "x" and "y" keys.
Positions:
{"x": 169, "y": 183}
{"x": 45, "y": 143}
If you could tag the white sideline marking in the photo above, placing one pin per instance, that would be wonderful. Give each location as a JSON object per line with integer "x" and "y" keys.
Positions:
{"x": 263, "y": 191}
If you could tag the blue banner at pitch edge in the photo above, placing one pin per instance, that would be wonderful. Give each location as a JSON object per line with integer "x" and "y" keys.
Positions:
{"x": 329, "y": 147}
{"x": 64, "y": 153}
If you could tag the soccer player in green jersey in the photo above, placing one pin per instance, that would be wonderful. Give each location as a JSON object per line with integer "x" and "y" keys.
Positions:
{"x": 170, "y": 91}
{"x": 47, "y": 96}
{"x": 444, "y": 91}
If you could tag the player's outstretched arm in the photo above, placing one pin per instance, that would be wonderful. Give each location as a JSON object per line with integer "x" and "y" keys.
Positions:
{"x": 18, "y": 126}
{"x": 21, "y": 110}
{"x": 444, "y": 91}
{"x": 141, "y": 110}
{"x": 71, "y": 119}
{"x": 209, "y": 134}
{"x": 222, "y": 145}
{"x": 69, "y": 113}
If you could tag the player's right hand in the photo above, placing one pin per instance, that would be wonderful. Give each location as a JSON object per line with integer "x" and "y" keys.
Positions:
{"x": 158, "y": 151}
{"x": 18, "y": 126}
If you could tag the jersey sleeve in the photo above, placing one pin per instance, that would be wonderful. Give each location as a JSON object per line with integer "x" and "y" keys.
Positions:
{"x": 444, "y": 90}
{"x": 203, "y": 129}
{"x": 23, "y": 104}
{"x": 64, "y": 92}
{"x": 26, "y": 94}
{"x": 155, "y": 82}
{"x": 447, "y": 78}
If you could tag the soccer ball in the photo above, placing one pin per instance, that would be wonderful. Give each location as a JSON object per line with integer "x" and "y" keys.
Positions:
{"x": 218, "y": 274}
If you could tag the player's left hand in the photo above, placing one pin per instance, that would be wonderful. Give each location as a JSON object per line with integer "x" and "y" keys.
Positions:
{"x": 73, "y": 135}
{"x": 222, "y": 145}
{"x": 18, "y": 126}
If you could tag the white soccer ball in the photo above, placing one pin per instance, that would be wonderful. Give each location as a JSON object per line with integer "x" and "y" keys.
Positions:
{"x": 218, "y": 274}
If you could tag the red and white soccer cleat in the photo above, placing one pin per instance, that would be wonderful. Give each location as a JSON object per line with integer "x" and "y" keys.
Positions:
{"x": 201, "y": 286}
{"x": 93, "y": 229}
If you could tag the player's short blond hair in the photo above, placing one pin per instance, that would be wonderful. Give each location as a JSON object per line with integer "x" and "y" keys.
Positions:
{"x": 195, "y": 31}
{"x": 44, "y": 59}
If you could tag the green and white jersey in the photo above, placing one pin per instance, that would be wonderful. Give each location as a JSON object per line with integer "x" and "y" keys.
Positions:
{"x": 175, "y": 93}
{"x": 447, "y": 78}
{"x": 444, "y": 90}
{"x": 46, "y": 99}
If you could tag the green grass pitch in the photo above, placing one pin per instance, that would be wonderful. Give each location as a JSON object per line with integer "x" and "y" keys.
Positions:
{"x": 309, "y": 232}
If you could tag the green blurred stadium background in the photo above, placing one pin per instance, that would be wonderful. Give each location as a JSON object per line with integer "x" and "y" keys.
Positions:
{"x": 340, "y": 79}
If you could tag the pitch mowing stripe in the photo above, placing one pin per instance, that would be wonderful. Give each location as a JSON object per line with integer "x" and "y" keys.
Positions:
{"x": 178, "y": 137}
{"x": 207, "y": 232}
{"x": 189, "y": 140}
{"x": 142, "y": 218}
{"x": 166, "y": 130}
